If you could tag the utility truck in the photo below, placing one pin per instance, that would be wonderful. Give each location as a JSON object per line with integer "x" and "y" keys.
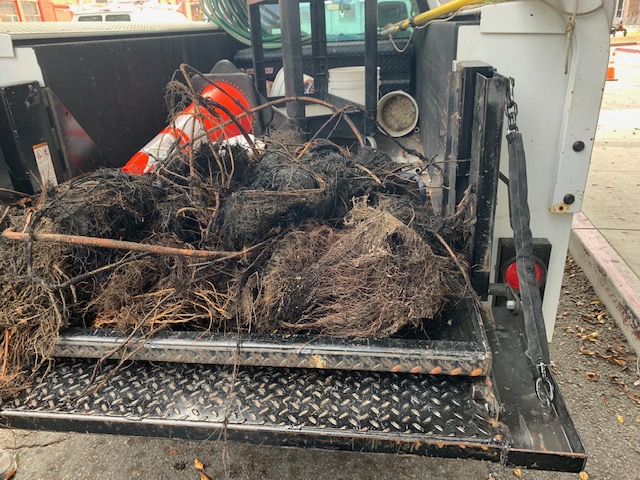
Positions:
{"x": 508, "y": 95}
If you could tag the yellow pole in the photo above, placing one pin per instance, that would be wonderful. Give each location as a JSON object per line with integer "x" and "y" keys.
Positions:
{"x": 449, "y": 7}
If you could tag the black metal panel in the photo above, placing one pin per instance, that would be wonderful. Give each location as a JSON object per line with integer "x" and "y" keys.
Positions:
{"x": 24, "y": 125}
{"x": 469, "y": 108}
{"x": 542, "y": 438}
{"x": 292, "y": 55}
{"x": 450, "y": 168}
{"x": 442, "y": 416}
{"x": 258, "y": 49}
{"x": 78, "y": 150}
{"x": 319, "y": 46}
{"x": 115, "y": 88}
{"x": 488, "y": 115}
{"x": 438, "y": 44}
{"x": 454, "y": 344}
{"x": 461, "y": 127}
{"x": 6, "y": 184}
{"x": 468, "y": 118}
{"x": 370, "y": 62}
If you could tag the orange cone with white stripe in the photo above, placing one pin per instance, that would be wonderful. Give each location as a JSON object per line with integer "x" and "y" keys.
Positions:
{"x": 611, "y": 70}
{"x": 193, "y": 126}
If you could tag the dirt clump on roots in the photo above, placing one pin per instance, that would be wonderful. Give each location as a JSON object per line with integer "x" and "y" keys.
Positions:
{"x": 280, "y": 192}
{"x": 369, "y": 279}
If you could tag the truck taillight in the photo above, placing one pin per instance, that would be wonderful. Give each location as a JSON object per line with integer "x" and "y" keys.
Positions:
{"x": 511, "y": 275}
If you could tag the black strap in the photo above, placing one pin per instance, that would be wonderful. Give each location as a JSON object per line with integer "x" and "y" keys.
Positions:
{"x": 537, "y": 347}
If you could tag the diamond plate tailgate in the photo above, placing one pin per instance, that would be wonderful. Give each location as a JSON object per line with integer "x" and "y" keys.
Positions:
{"x": 422, "y": 414}
{"x": 453, "y": 344}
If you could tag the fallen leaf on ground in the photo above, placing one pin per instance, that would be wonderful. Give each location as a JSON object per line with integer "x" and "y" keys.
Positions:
{"x": 517, "y": 472}
{"x": 203, "y": 476}
{"x": 606, "y": 400}
{"x": 593, "y": 336}
{"x": 593, "y": 376}
{"x": 636, "y": 383}
{"x": 583, "y": 476}
{"x": 635, "y": 397}
{"x": 173, "y": 451}
{"x": 616, "y": 380}
{"x": 620, "y": 419}
{"x": 618, "y": 361}
{"x": 198, "y": 464}
{"x": 622, "y": 362}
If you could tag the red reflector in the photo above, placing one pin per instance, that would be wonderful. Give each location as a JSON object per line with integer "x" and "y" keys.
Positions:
{"x": 511, "y": 275}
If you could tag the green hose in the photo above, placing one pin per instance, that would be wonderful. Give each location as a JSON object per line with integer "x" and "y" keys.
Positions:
{"x": 233, "y": 17}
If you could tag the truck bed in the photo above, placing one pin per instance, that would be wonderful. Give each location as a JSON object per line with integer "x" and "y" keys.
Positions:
{"x": 494, "y": 417}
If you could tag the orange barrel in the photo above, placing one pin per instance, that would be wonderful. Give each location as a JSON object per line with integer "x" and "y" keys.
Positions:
{"x": 193, "y": 126}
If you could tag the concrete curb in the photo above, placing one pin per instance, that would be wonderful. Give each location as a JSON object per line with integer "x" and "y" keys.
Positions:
{"x": 623, "y": 44}
{"x": 613, "y": 281}
{"x": 627, "y": 50}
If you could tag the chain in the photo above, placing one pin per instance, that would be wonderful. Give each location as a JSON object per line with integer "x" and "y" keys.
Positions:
{"x": 544, "y": 387}
{"x": 511, "y": 108}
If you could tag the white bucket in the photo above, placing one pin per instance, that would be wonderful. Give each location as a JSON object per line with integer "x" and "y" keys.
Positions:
{"x": 277, "y": 89}
{"x": 348, "y": 83}
{"x": 397, "y": 113}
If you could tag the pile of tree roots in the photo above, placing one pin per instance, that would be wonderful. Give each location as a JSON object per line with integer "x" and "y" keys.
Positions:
{"x": 282, "y": 236}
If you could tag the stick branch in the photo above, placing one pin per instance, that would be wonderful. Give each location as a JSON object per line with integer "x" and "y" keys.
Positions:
{"x": 121, "y": 245}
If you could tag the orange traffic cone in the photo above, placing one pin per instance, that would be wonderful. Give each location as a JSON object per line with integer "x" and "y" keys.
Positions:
{"x": 193, "y": 126}
{"x": 611, "y": 70}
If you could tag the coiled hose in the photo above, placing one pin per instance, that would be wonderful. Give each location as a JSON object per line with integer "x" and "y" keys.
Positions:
{"x": 233, "y": 17}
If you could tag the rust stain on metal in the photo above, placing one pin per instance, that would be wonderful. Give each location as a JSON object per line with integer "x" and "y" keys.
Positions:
{"x": 561, "y": 208}
{"x": 317, "y": 361}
